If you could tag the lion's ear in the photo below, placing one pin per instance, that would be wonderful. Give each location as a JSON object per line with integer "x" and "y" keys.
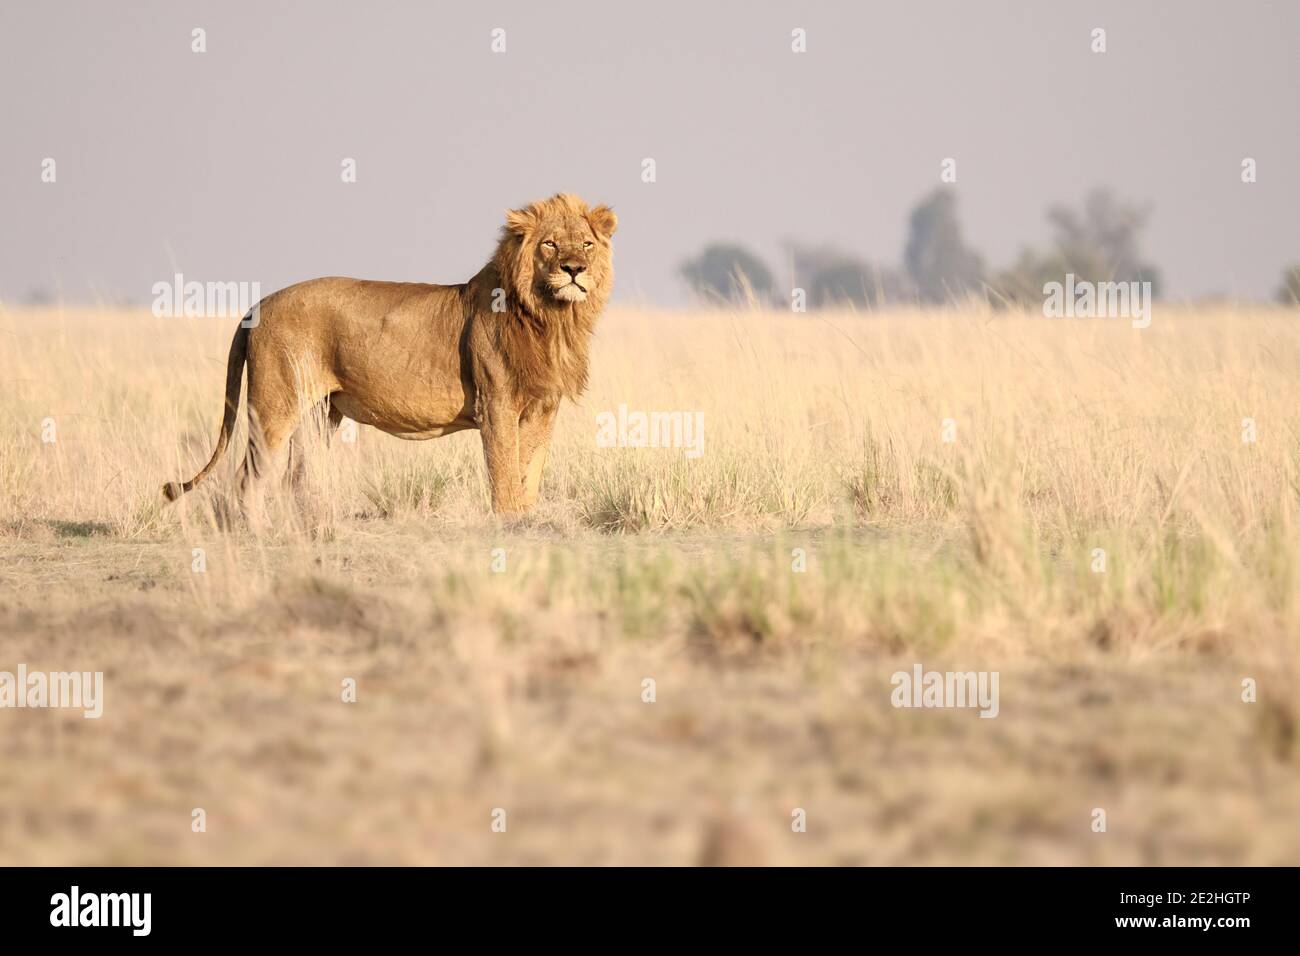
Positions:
{"x": 603, "y": 220}
{"x": 519, "y": 221}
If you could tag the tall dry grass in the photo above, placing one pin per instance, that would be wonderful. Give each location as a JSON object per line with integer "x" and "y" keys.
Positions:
{"x": 1069, "y": 438}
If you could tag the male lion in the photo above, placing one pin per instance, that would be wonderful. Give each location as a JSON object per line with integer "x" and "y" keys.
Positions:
{"x": 496, "y": 353}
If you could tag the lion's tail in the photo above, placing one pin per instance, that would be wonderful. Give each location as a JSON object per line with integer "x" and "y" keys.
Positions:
{"x": 234, "y": 375}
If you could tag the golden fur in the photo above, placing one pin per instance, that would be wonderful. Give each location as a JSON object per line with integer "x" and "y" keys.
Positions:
{"x": 496, "y": 353}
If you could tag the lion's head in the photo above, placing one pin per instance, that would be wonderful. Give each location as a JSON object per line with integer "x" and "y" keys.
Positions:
{"x": 557, "y": 253}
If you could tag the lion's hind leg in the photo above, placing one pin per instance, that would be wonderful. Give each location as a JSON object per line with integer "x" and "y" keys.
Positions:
{"x": 314, "y": 432}
{"x": 271, "y": 425}
{"x": 266, "y": 435}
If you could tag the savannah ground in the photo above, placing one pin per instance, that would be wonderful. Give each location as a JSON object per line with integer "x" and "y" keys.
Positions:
{"x": 522, "y": 689}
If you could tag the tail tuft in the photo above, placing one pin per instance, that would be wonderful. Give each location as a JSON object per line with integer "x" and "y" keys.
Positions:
{"x": 171, "y": 491}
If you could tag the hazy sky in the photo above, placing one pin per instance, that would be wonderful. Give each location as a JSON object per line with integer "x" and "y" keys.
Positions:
{"x": 225, "y": 165}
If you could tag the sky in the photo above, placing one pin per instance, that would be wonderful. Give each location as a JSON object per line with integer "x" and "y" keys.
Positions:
{"x": 227, "y": 165}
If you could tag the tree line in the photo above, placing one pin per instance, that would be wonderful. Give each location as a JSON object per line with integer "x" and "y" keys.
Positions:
{"x": 1098, "y": 242}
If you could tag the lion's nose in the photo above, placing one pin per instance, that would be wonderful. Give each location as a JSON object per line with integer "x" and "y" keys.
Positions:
{"x": 573, "y": 268}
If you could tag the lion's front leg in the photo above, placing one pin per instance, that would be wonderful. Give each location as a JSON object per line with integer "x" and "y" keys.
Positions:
{"x": 500, "y": 430}
{"x": 534, "y": 441}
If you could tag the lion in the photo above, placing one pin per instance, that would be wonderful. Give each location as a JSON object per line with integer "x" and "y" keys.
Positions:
{"x": 497, "y": 353}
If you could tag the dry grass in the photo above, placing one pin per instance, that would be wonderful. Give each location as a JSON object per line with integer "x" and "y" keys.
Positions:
{"x": 522, "y": 689}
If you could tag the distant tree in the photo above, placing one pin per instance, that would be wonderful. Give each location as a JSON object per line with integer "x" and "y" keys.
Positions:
{"x": 806, "y": 262}
{"x": 728, "y": 271}
{"x": 1022, "y": 283}
{"x": 1100, "y": 243}
{"x": 1289, "y": 293}
{"x": 835, "y": 278}
{"x": 848, "y": 282}
{"x": 936, "y": 257}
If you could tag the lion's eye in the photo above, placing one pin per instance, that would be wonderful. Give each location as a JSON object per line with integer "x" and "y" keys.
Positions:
{"x": 549, "y": 243}
{"x": 588, "y": 244}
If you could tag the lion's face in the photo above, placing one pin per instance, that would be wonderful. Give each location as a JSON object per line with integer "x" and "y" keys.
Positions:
{"x": 564, "y": 252}
{"x": 562, "y": 257}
